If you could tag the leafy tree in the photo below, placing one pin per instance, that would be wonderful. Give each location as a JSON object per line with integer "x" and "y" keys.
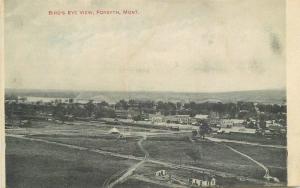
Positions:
{"x": 137, "y": 118}
{"x": 262, "y": 121}
{"x": 90, "y": 107}
{"x": 194, "y": 133}
{"x": 59, "y": 112}
{"x": 203, "y": 129}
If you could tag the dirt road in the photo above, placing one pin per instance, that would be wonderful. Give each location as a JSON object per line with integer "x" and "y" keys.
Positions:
{"x": 267, "y": 173}
{"x": 130, "y": 171}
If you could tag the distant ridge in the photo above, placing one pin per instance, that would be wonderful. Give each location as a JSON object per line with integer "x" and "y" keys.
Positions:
{"x": 261, "y": 96}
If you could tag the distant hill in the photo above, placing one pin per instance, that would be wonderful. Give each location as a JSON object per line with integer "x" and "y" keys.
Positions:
{"x": 261, "y": 96}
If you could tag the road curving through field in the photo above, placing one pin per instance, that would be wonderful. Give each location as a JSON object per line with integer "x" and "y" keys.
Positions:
{"x": 130, "y": 171}
{"x": 267, "y": 173}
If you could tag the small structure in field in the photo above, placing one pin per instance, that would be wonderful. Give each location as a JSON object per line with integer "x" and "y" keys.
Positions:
{"x": 272, "y": 179}
{"x": 206, "y": 181}
{"x": 161, "y": 173}
{"x": 114, "y": 131}
{"x": 201, "y": 117}
{"x": 174, "y": 128}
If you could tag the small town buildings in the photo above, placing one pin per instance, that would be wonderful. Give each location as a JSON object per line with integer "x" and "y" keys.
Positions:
{"x": 242, "y": 130}
{"x": 228, "y": 123}
{"x": 250, "y": 122}
{"x": 272, "y": 123}
{"x": 214, "y": 122}
{"x": 178, "y": 119}
{"x": 156, "y": 118}
{"x": 174, "y": 128}
{"x": 201, "y": 117}
{"x": 225, "y": 123}
{"x": 214, "y": 115}
{"x": 181, "y": 119}
{"x": 144, "y": 116}
{"x": 161, "y": 173}
{"x": 205, "y": 181}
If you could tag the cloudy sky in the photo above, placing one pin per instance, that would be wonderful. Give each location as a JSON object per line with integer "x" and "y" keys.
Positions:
{"x": 177, "y": 45}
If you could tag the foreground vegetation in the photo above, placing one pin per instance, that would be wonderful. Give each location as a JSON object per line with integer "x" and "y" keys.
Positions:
{"x": 36, "y": 165}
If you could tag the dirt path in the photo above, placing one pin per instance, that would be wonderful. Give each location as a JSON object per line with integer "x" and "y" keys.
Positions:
{"x": 130, "y": 171}
{"x": 142, "y": 148}
{"x": 107, "y": 182}
{"x": 267, "y": 173}
{"x": 124, "y": 177}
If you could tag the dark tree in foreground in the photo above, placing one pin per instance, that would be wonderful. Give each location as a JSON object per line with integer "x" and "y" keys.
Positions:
{"x": 59, "y": 112}
{"x": 203, "y": 129}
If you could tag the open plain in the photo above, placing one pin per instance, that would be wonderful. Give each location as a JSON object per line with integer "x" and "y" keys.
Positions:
{"x": 87, "y": 151}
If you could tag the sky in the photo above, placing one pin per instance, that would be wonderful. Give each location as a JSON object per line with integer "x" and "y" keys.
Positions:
{"x": 178, "y": 45}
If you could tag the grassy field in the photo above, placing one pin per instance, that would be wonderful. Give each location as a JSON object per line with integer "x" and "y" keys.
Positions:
{"x": 273, "y": 158}
{"x": 203, "y": 154}
{"x": 149, "y": 169}
{"x": 127, "y": 146}
{"x": 133, "y": 183}
{"x": 80, "y": 129}
{"x": 36, "y": 165}
{"x": 251, "y": 138}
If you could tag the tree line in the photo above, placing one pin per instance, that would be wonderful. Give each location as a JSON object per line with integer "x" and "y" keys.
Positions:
{"x": 91, "y": 109}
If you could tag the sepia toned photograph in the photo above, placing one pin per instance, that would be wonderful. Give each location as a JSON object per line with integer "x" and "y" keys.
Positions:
{"x": 145, "y": 94}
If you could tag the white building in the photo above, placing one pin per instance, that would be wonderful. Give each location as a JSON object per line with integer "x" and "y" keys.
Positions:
{"x": 205, "y": 182}
{"x": 181, "y": 119}
{"x": 161, "y": 173}
{"x": 156, "y": 118}
{"x": 201, "y": 117}
{"x": 227, "y": 123}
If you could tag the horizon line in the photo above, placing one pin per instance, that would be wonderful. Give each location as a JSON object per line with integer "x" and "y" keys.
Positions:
{"x": 146, "y": 91}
